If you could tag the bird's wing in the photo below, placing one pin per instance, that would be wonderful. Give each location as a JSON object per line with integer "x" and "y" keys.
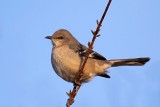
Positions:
{"x": 82, "y": 52}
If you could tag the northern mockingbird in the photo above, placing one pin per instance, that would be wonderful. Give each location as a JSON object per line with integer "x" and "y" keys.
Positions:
{"x": 68, "y": 54}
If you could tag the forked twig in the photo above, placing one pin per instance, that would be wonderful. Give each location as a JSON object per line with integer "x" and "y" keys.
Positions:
{"x": 73, "y": 93}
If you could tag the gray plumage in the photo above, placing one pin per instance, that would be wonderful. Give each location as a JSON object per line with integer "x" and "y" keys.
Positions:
{"x": 68, "y": 54}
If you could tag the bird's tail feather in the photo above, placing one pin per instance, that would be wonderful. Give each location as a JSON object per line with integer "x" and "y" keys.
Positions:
{"x": 129, "y": 62}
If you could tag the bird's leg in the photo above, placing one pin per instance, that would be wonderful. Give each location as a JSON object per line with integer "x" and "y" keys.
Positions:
{"x": 77, "y": 83}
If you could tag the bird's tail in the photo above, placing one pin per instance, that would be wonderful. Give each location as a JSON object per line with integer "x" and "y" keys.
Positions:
{"x": 129, "y": 62}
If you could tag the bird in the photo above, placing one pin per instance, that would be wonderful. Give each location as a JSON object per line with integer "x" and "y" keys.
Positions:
{"x": 68, "y": 54}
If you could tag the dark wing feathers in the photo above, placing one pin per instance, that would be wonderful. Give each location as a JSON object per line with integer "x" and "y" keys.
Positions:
{"x": 83, "y": 49}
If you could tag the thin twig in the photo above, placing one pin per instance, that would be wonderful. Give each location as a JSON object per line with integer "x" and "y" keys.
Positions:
{"x": 73, "y": 93}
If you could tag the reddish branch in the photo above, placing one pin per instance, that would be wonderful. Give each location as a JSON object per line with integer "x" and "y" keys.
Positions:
{"x": 77, "y": 85}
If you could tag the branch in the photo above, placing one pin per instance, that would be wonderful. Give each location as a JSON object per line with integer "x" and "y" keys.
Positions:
{"x": 77, "y": 84}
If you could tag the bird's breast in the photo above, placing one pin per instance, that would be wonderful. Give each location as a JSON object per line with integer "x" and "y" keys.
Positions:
{"x": 65, "y": 62}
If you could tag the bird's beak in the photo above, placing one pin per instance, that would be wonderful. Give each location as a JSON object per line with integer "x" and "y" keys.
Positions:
{"x": 48, "y": 37}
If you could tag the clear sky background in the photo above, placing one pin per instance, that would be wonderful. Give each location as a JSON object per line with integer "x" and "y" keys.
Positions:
{"x": 130, "y": 29}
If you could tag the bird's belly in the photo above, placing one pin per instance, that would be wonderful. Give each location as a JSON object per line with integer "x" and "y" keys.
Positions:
{"x": 66, "y": 63}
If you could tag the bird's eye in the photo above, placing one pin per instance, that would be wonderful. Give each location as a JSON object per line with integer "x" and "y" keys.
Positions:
{"x": 60, "y": 37}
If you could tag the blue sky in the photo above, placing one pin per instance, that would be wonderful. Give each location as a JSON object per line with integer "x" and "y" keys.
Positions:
{"x": 130, "y": 29}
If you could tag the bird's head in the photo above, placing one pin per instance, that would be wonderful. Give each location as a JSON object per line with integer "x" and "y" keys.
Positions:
{"x": 61, "y": 37}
